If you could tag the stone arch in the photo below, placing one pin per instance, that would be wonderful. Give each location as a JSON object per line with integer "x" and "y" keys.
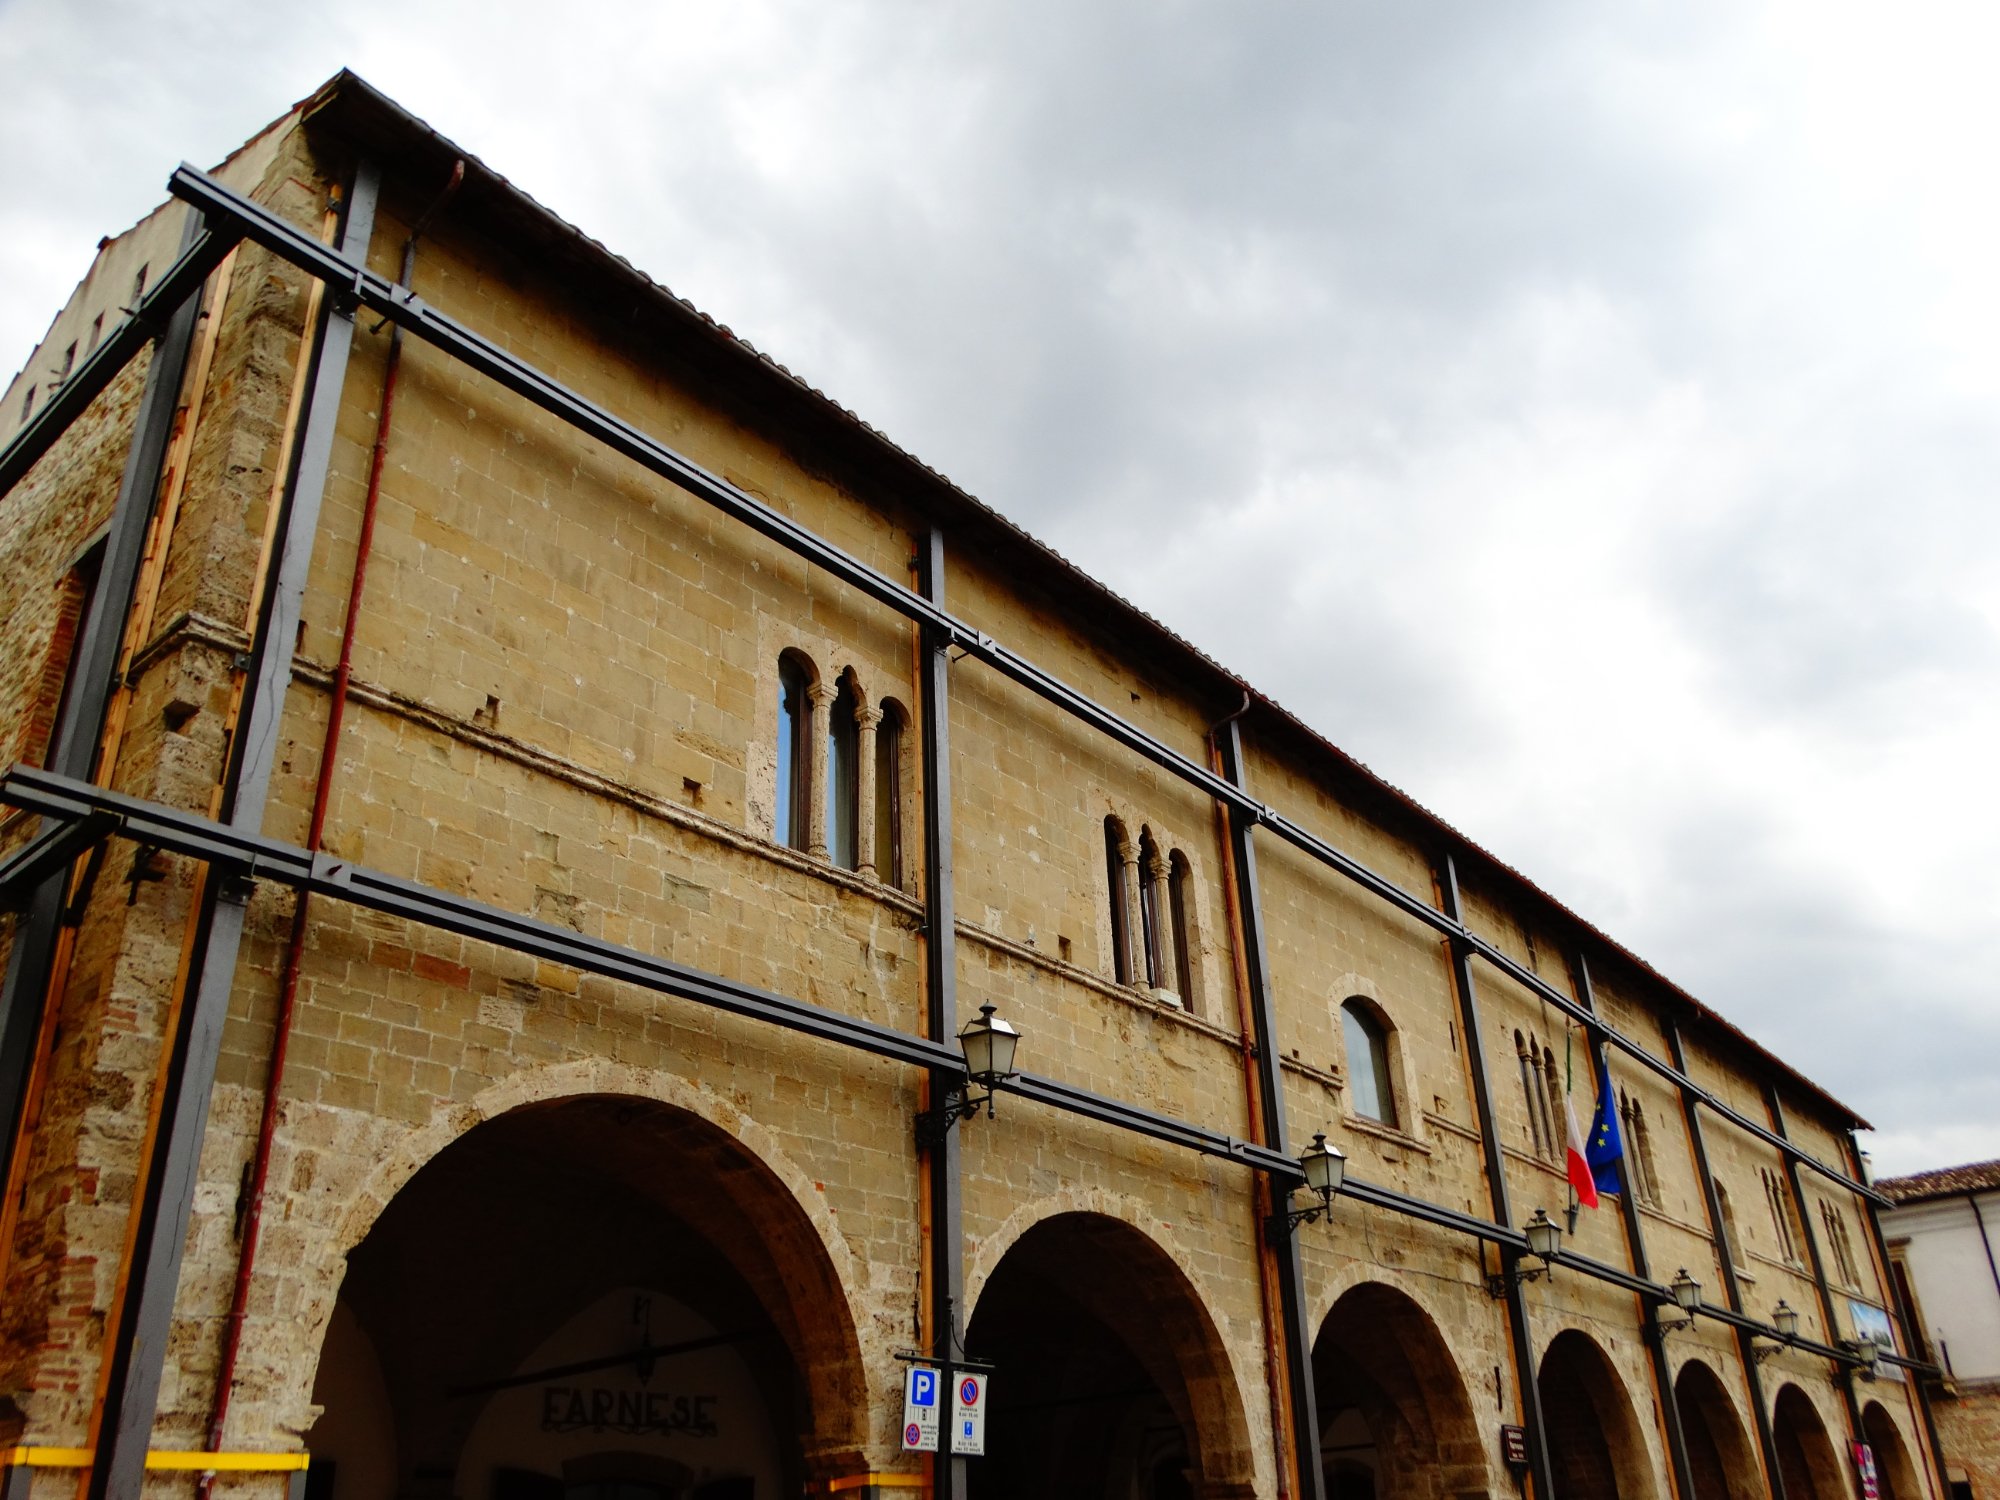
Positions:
{"x": 1807, "y": 1460}
{"x": 1132, "y": 1380}
{"x": 739, "y": 1207}
{"x": 1723, "y": 1464}
{"x": 1396, "y": 1422}
{"x": 1596, "y": 1446}
{"x": 1895, "y": 1476}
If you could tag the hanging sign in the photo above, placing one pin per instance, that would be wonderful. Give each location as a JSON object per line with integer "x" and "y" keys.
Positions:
{"x": 1864, "y": 1463}
{"x": 1514, "y": 1445}
{"x": 920, "y": 1409}
{"x": 968, "y": 1417}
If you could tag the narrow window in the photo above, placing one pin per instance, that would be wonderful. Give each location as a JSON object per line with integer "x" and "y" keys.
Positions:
{"x": 843, "y": 778}
{"x": 794, "y": 736}
{"x": 1528, "y": 1095}
{"x": 1114, "y": 865}
{"x": 1180, "y": 877}
{"x": 1558, "y": 1130}
{"x": 889, "y": 794}
{"x": 96, "y": 333}
{"x": 1543, "y": 1066}
{"x": 68, "y": 363}
{"x": 58, "y": 683}
{"x": 1368, "y": 1063}
{"x": 139, "y": 284}
{"x": 28, "y": 406}
{"x": 1728, "y": 1225}
{"x": 1149, "y": 907}
{"x": 1645, "y": 1135}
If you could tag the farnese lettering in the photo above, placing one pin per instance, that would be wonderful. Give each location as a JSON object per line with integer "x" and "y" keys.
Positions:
{"x": 575, "y": 1408}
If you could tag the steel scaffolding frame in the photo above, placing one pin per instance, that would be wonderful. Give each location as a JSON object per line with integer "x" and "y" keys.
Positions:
{"x": 79, "y": 816}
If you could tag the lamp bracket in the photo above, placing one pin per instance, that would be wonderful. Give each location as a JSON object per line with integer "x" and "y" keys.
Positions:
{"x": 933, "y": 1125}
{"x": 1281, "y": 1225}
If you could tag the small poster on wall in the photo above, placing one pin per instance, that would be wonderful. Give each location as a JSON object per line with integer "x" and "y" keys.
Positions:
{"x": 1872, "y": 1323}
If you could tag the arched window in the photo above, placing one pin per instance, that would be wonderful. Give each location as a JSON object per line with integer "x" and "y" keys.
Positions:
{"x": 1368, "y": 1078}
{"x": 1149, "y": 908}
{"x": 794, "y": 790}
{"x": 1114, "y": 869}
{"x": 1180, "y": 882}
{"x": 843, "y": 778}
{"x": 889, "y": 793}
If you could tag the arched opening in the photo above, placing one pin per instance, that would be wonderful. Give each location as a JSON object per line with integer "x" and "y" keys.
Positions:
{"x": 1110, "y": 1378}
{"x": 593, "y": 1298}
{"x": 792, "y": 812}
{"x": 1395, "y": 1422}
{"x": 1895, "y": 1476}
{"x": 889, "y": 793}
{"x": 1370, "y": 1079}
{"x": 1115, "y": 847}
{"x": 1596, "y": 1449}
{"x": 1720, "y": 1458}
{"x": 843, "y": 775}
{"x": 1180, "y": 903}
{"x": 1152, "y": 874}
{"x": 1806, "y": 1458}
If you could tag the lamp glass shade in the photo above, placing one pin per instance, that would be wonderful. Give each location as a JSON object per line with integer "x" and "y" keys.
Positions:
{"x": 1686, "y": 1290}
{"x": 1785, "y": 1318}
{"x": 1544, "y": 1236}
{"x": 1325, "y": 1166}
{"x": 988, "y": 1044}
{"x": 1867, "y": 1351}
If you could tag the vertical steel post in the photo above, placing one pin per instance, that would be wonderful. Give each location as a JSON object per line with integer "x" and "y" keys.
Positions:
{"x": 1304, "y": 1400}
{"x": 1854, "y": 1429}
{"x": 1496, "y": 1190}
{"x": 1635, "y": 1245}
{"x": 1746, "y": 1349}
{"x": 73, "y": 744}
{"x": 947, "y": 1247}
{"x": 138, "y": 1352}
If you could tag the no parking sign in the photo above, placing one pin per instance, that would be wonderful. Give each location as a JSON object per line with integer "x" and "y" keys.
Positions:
{"x": 968, "y": 1417}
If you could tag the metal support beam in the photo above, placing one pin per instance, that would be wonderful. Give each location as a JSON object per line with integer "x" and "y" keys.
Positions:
{"x": 138, "y": 1348}
{"x": 1303, "y": 1403}
{"x": 1855, "y": 1432}
{"x": 1518, "y": 1329}
{"x": 1911, "y": 1337}
{"x": 73, "y": 743}
{"x": 1635, "y": 1245}
{"x": 1746, "y": 1350}
{"x": 384, "y": 298}
{"x": 947, "y": 1191}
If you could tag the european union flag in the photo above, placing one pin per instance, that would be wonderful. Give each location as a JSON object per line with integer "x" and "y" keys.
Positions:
{"x": 1606, "y": 1147}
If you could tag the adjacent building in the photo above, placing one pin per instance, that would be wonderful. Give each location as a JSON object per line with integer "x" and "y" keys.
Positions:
{"x": 1946, "y": 1277}
{"x": 523, "y": 819}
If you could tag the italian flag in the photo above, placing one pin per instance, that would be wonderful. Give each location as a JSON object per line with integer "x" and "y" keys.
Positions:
{"x": 1578, "y": 1166}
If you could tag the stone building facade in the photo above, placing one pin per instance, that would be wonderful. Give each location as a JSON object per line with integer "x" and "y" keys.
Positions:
{"x": 1943, "y": 1240}
{"x": 514, "y": 797}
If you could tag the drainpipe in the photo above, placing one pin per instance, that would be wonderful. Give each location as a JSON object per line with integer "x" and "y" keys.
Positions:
{"x": 1262, "y": 1201}
{"x": 288, "y": 983}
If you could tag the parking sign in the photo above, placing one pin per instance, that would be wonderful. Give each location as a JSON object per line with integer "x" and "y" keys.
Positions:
{"x": 920, "y": 1410}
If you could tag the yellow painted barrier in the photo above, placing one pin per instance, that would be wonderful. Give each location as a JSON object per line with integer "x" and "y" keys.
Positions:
{"x": 165, "y": 1458}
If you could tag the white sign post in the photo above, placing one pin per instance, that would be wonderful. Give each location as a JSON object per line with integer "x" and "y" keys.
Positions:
{"x": 920, "y": 1409}
{"x": 968, "y": 1424}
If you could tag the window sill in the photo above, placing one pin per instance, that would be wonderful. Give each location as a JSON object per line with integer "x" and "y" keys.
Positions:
{"x": 1387, "y": 1134}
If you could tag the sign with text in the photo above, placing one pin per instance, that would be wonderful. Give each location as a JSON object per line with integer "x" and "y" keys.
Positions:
{"x": 920, "y": 1409}
{"x": 1864, "y": 1465}
{"x": 1514, "y": 1445}
{"x": 968, "y": 1417}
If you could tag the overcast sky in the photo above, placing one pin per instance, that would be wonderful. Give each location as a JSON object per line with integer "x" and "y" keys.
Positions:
{"x": 1584, "y": 414}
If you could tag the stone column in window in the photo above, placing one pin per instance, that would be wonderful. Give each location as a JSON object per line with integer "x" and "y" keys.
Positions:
{"x": 1159, "y": 971}
{"x": 822, "y": 695}
{"x": 866, "y": 720}
{"x": 1135, "y": 917}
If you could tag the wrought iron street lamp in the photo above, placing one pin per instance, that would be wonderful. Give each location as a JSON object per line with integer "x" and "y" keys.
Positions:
{"x": 988, "y": 1044}
{"x": 1325, "y": 1168}
{"x": 1544, "y": 1237}
{"x": 1784, "y": 1318}
{"x": 1687, "y": 1297}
